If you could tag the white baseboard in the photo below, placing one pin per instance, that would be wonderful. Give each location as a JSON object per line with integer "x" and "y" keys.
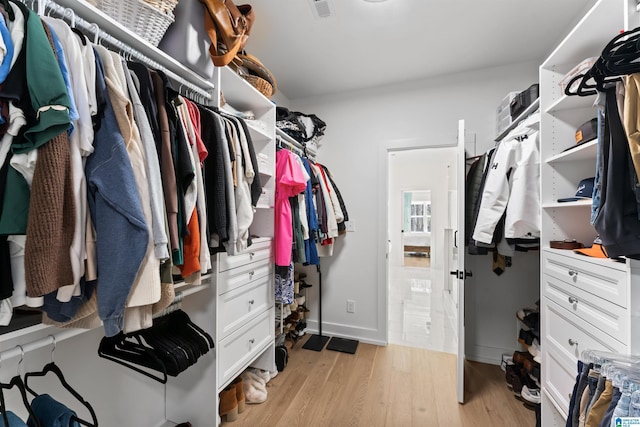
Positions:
{"x": 484, "y": 354}
{"x": 365, "y": 335}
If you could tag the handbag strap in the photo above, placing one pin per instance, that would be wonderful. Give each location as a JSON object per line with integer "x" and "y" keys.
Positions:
{"x": 225, "y": 59}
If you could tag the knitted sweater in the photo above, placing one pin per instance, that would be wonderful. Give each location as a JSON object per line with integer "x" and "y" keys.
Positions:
{"x": 51, "y": 221}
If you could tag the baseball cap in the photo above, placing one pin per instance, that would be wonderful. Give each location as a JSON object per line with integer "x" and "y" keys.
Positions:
{"x": 597, "y": 250}
{"x": 585, "y": 191}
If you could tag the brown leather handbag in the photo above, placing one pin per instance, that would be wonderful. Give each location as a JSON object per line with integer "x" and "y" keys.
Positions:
{"x": 228, "y": 25}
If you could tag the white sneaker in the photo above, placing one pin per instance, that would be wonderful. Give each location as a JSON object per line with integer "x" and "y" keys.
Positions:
{"x": 534, "y": 348}
{"x": 530, "y": 395}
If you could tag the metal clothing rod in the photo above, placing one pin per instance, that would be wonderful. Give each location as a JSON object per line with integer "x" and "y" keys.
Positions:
{"x": 49, "y": 340}
{"x": 294, "y": 145}
{"x": 100, "y": 36}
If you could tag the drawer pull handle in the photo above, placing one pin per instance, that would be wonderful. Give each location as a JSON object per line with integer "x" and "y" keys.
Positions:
{"x": 573, "y": 300}
{"x": 573, "y": 273}
{"x": 251, "y": 301}
{"x": 252, "y": 340}
{"x": 572, "y": 342}
{"x": 251, "y": 273}
{"x": 252, "y": 254}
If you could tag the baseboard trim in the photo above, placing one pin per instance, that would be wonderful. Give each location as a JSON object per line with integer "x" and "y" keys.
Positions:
{"x": 365, "y": 335}
{"x": 484, "y": 354}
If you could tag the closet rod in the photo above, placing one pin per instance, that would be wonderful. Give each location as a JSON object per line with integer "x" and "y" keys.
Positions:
{"x": 295, "y": 146}
{"x": 100, "y": 35}
{"x": 49, "y": 340}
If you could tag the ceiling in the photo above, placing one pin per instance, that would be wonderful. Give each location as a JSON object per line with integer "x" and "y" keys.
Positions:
{"x": 364, "y": 45}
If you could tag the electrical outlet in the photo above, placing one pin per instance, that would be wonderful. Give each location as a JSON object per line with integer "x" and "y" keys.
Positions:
{"x": 351, "y": 306}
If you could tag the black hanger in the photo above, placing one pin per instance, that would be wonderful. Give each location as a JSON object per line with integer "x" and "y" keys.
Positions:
{"x": 119, "y": 350}
{"x": 19, "y": 384}
{"x": 7, "y": 7}
{"x": 16, "y": 382}
{"x": 80, "y": 34}
{"x": 53, "y": 368}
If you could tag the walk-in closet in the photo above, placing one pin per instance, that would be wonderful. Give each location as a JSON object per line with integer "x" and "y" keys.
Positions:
{"x": 218, "y": 214}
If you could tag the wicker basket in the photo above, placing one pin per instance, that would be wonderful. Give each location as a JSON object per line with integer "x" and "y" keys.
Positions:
{"x": 263, "y": 86}
{"x": 164, "y": 6}
{"x": 138, "y": 17}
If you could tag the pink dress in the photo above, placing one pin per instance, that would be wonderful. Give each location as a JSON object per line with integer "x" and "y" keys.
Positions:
{"x": 290, "y": 181}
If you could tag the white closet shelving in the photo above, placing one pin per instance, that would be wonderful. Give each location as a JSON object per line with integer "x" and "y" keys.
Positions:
{"x": 585, "y": 302}
{"x": 234, "y": 303}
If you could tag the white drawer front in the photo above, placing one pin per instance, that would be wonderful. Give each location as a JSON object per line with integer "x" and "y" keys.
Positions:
{"x": 255, "y": 252}
{"x": 239, "y": 348}
{"x": 237, "y": 307}
{"x": 606, "y": 316}
{"x": 595, "y": 278}
{"x": 559, "y": 378}
{"x": 248, "y": 273}
{"x": 571, "y": 335}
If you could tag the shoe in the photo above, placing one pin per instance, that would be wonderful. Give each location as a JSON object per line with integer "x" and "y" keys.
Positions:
{"x": 300, "y": 299}
{"x": 510, "y": 372}
{"x": 506, "y": 360}
{"x": 530, "y": 318}
{"x": 526, "y": 337}
{"x": 255, "y": 389}
{"x": 304, "y": 285}
{"x": 239, "y": 394}
{"x": 228, "y": 404}
{"x": 531, "y": 395}
{"x": 531, "y": 365}
{"x": 265, "y": 375}
{"x": 534, "y": 350}
{"x": 519, "y": 379}
{"x": 519, "y": 357}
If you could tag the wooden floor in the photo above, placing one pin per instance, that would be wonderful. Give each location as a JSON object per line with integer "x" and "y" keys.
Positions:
{"x": 417, "y": 261}
{"x": 384, "y": 386}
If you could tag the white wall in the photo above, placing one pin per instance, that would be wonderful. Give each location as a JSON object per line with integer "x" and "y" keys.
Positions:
{"x": 359, "y": 125}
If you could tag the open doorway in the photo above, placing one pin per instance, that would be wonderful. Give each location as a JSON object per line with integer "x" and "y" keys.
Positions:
{"x": 421, "y": 185}
{"x": 416, "y": 228}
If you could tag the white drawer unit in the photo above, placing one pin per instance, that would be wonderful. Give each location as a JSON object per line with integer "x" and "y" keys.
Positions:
{"x": 237, "y": 350}
{"x": 257, "y": 251}
{"x": 609, "y": 318}
{"x": 559, "y": 377}
{"x": 605, "y": 279}
{"x": 571, "y": 335}
{"x": 242, "y": 304}
{"x": 232, "y": 279}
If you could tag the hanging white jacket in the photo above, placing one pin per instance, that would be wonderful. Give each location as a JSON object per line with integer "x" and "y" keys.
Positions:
{"x": 517, "y": 193}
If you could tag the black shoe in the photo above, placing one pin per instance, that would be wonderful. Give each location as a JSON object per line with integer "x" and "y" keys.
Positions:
{"x": 304, "y": 285}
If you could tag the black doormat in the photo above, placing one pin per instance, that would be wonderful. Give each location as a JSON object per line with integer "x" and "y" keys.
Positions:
{"x": 342, "y": 344}
{"x": 315, "y": 342}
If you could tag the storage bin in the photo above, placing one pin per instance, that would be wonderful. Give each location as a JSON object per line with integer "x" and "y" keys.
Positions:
{"x": 523, "y": 100}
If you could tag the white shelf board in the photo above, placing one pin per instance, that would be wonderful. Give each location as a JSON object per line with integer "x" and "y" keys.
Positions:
{"x": 266, "y": 173}
{"x": 579, "y": 203}
{"x": 586, "y": 151}
{"x": 239, "y": 93}
{"x": 530, "y": 109}
{"x": 257, "y": 131}
{"x": 597, "y": 27}
{"x": 570, "y": 103}
{"x": 92, "y": 14}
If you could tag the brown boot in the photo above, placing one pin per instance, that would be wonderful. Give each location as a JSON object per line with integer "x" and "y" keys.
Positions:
{"x": 229, "y": 403}
{"x": 239, "y": 394}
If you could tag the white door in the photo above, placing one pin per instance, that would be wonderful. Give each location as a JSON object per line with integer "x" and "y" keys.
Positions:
{"x": 459, "y": 271}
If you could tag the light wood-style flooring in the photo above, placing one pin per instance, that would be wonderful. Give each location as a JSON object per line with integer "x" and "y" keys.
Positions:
{"x": 417, "y": 261}
{"x": 384, "y": 386}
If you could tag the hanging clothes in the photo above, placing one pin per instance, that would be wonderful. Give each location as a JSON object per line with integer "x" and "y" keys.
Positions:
{"x": 512, "y": 186}
{"x": 289, "y": 182}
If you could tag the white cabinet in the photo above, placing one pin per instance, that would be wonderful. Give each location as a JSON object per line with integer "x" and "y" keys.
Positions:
{"x": 586, "y": 303}
{"x": 245, "y": 316}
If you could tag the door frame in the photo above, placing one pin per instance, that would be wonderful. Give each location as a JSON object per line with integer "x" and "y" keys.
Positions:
{"x": 384, "y": 148}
